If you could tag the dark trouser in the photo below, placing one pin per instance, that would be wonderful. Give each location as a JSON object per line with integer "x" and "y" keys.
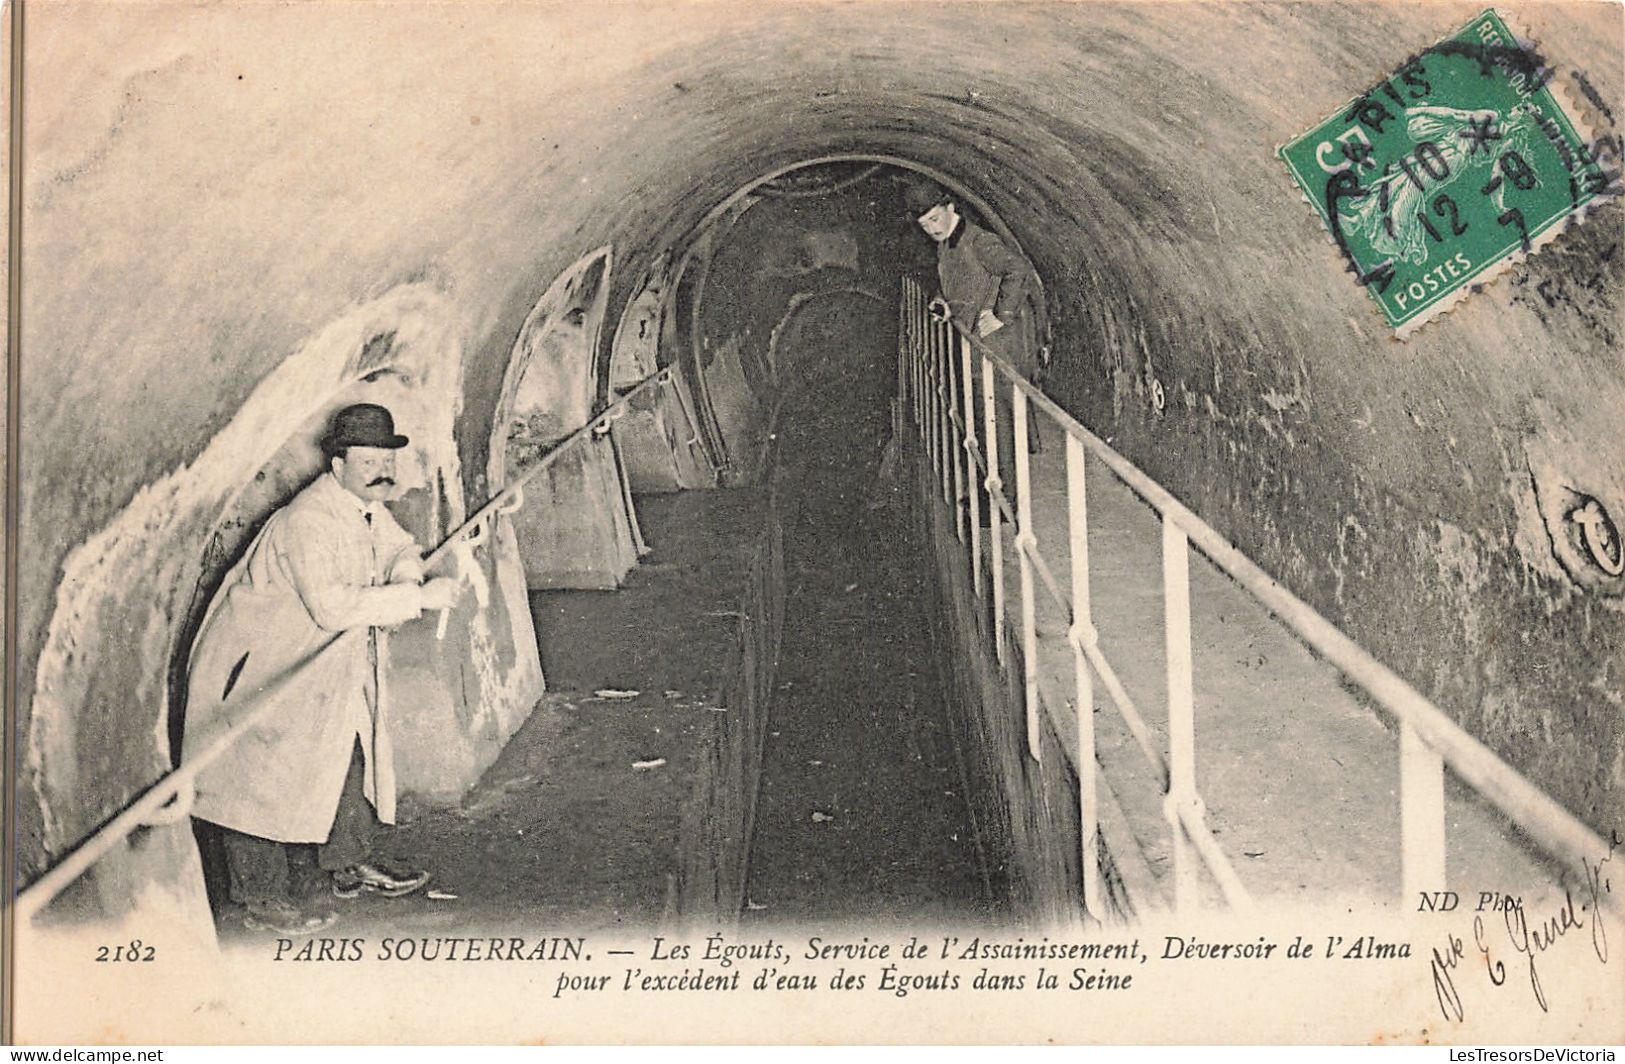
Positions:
{"x": 260, "y": 868}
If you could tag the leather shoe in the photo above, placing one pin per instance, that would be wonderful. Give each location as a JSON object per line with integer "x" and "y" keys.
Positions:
{"x": 376, "y": 879}
{"x": 286, "y": 918}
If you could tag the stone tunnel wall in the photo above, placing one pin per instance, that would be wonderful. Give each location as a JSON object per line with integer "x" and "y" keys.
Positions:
{"x": 1414, "y": 492}
{"x": 197, "y": 205}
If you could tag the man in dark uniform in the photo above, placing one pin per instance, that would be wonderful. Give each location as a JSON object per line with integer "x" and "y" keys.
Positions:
{"x": 989, "y": 288}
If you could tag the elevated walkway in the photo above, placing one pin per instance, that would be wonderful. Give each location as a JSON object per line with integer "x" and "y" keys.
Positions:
{"x": 1234, "y": 746}
{"x": 1299, "y": 774}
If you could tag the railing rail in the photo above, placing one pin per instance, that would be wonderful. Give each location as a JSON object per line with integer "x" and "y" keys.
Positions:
{"x": 170, "y": 798}
{"x": 1429, "y": 740}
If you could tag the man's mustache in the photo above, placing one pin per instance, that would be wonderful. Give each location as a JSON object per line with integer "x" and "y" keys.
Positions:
{"x": 376, "y": 481}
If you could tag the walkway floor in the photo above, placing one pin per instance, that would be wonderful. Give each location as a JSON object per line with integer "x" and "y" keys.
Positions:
{"x": 1299, "y": 774}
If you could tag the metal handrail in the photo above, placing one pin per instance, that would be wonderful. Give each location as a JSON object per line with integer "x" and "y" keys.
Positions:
{"x": 599, "y": 421}
{"x": 1089, "y": 647}
{"x": 159, "y": 803}
{"x": 1125, "y": 705}
{"x": 1550, "y": 825}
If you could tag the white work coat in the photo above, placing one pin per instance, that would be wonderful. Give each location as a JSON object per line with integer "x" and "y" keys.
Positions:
{"x": 316, "y": 569}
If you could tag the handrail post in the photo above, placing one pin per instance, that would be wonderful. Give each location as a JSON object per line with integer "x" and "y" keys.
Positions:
{"x": 936, "y": 407}
{"x": 928, "y": 361}
{"x": 934, "y": 333}
{"x": 1026, "y": 543}
{"x": 995, "y": 490}
{"x": 1181, "y": 709}
{"x": 1421, "y": 816}
{"x": 1081, "y": 635}
{"x": 973, "y": 484}
{"x": 903, "y": 383}
{"x": 916, "y": 344}
{"x": 922, "y": 354}
{"x": 943, "y": 331}
{"x": 905, "y": 338}
{"x": 950, "y": 369}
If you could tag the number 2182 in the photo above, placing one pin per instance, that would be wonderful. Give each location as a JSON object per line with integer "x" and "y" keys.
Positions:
{"x": 134, "y": 950}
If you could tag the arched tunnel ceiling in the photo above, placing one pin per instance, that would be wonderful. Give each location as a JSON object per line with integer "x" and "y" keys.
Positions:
{"x": 206, "y": 187}
{"x": 235, "y": 195}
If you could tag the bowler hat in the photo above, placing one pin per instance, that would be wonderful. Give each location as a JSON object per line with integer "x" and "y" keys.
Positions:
{"x": 920, "y": 196}
{"x": 362, "y": 425}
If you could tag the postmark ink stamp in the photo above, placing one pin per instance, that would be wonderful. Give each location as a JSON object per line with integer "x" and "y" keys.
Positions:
{"x": 1467, "y": 158}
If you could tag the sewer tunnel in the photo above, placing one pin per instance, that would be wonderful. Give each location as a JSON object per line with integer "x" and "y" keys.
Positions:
{"x": 1446, "y": 501}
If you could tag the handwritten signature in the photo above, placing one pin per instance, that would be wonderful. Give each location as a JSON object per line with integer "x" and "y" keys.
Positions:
{"x": 1527, "y": 936}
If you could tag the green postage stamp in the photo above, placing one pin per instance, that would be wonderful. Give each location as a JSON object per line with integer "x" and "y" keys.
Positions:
{"x": 1446, "y": 172}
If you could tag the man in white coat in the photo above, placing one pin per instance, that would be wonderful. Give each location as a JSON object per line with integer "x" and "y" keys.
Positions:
{"x": 309, "y": 602}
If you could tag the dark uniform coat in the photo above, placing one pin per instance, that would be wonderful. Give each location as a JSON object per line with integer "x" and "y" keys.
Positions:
{"x": 978, "y": 271}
